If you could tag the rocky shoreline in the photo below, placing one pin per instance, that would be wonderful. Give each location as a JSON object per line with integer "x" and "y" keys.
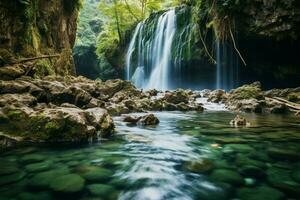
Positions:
{"x": 75, "y": 109}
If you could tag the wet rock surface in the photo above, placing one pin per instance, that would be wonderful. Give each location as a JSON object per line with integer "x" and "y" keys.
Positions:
{"x": 239, "y": 121}
{"x": 252, "y": 99}
{"x": 69, "y": 108}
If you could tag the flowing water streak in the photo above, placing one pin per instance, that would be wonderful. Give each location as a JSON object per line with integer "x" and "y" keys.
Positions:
{"x": 218, "y": 72}
{"x": 165, "y": 32}
{"x": 131, "y": 50}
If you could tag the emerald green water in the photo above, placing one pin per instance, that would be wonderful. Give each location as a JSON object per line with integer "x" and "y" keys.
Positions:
{"x": 187, "y": 156}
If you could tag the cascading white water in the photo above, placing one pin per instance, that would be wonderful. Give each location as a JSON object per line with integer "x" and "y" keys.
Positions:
{"x": 154, "y": 52}
{"x": 163, "y": 54}
{"x": 130, "y": 51}
{"x": 165, "y": 32}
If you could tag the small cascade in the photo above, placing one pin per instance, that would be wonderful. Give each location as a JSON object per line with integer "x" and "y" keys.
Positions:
{"x": 138, "y": 77}
{"x": 131, "y": 50}
{"x": 227, "y": 66}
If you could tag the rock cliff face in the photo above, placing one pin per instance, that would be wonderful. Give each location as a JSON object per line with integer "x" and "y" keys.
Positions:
{"x": 30, "y": 28}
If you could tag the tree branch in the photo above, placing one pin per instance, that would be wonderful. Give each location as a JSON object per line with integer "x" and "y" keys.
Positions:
{"x": 235, "y": 47}
{"x": 35, "y": 58}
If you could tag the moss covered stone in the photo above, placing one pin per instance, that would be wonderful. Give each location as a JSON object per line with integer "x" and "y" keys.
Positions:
{"x": 98, "y": 174}
{"x": 101, "y": 190}
{"x": 69, "y": 183}
{"x": 44, "y": 179}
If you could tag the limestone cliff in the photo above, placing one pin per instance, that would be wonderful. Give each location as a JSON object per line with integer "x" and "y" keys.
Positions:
{"x": 31, "y": 28}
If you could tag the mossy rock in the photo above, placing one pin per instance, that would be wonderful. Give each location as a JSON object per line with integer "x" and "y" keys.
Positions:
{"x": 247, "y": 92}
{"x": 43, "y": 68}
{"x": 33, "y": 158}
{"x": 282, "y": 179}
{"x": 6, "y": 57}
{"x": 98, "y": 174}
{"x": 69, "y": 183}
{"x": 242, "y": 160}
{"x": 101, "y": 190}
{"x": 37, "y": 167}
{"x": 201, "y": 166}
{"x": 241, "y": 148}
{"x": 252, "y": 171}
{"x": 44, "y": 179}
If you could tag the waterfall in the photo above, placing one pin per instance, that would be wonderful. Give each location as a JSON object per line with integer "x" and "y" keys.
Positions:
{"x": 161, "y": 54}
{"x": 130, "y": 51}
{"x": 153, "y": 53}
{"x": 164, "y": 53}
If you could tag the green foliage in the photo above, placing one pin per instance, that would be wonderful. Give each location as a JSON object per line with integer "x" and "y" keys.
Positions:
{"x": 90, "y": 24}
{"x": 104, "y": 28}
{"x": 43, "y": 68}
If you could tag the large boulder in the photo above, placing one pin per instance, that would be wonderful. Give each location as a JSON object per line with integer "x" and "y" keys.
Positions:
{"x": 58, "y": 123}
{"x": 17, "y": 100}
{"x": 7, "y": 141}
{"x": 177, "y": 96}
{"x": 150, "y": 119}
{"x": 247, "y": 98}
{"x": 247, "y": 92}
{"x": 217, "y": 96}
{"x": 12, "y": 72}
{"x": 17, "y": 86}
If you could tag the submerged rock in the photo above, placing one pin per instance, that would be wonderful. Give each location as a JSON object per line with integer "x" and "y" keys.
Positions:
{"x": 150, "y": 119}
{"x": 201, "y": 166}
{"x": 37, "y": 167}
{"x": 260, "y": 193}
{"x": 282, "y": 179}
{"x": 131, "y": 119}
{"x": 252, "y": 171}
{"x": 228, "y": 176}
{"x": 44, "y": 179}
{"x": 97, "y": 174}
{"x": 239, "y": 121}
{"x": 69, "y": 183}
{"x": 283, "y": 154}
{"x": 101, "y": 190}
